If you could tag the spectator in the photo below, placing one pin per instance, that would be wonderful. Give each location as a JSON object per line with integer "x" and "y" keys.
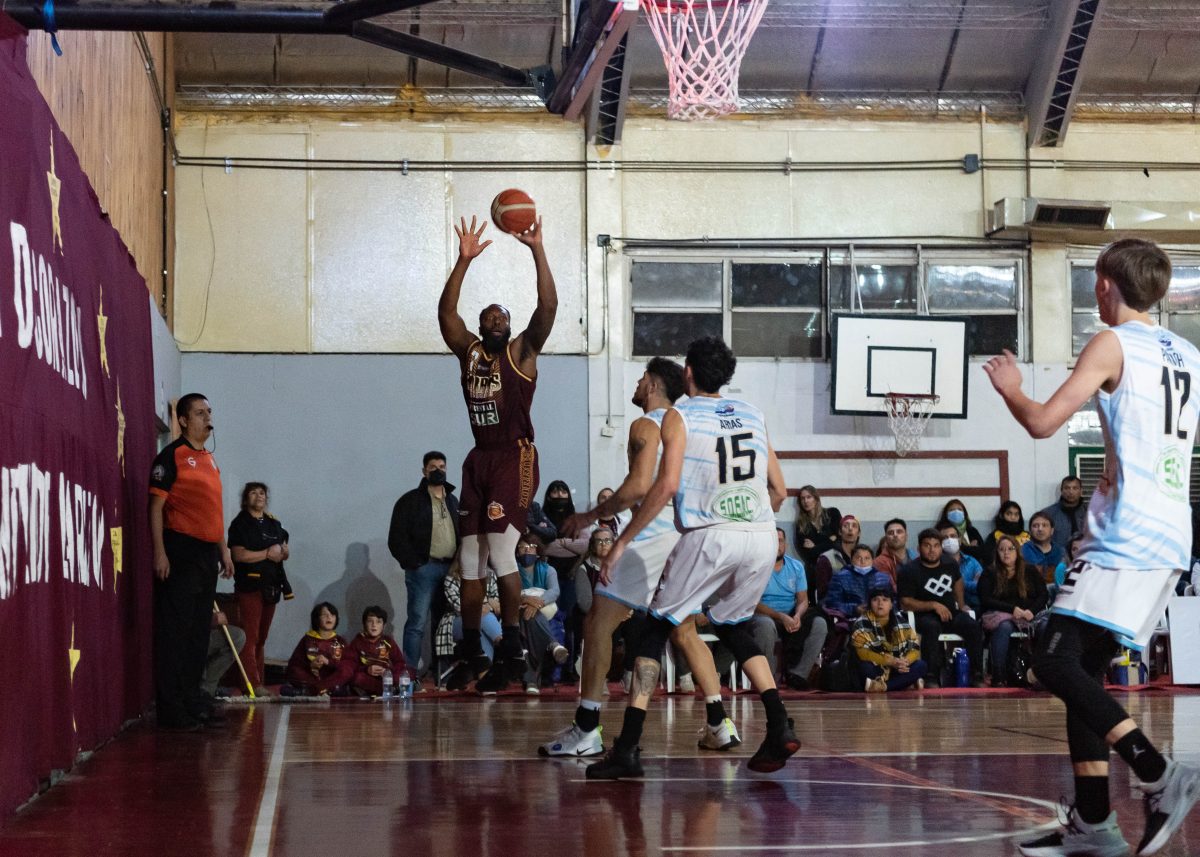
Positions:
{"x": 220, "y": 654}
{"x": 539, "y": 525}
{"x": 1040, "y": 550}
{"x": 893, "y": 550}
{"x": 449, "y": 630}
{"x": 1060, "y": 571}
{"x": 1069, "y": 514}
{"x": 837, "y": 557}
{"x": 187, "y": 528}
{"x": 259, "y": 546}
{"x": 968, "y": 566}
{"x": 613, "y": 523}
{"x": 424, "y": 538}
{"x": 562, "y": 553}
{"x": 816, "y": 527}
{"x": 374, "y": 653}
{"x": 539, "y": 594}
{"x": 847, "y": 594}
{"x": 1012, "y": 594}
{"x": 969, "y": 539}
{"x": 320, "y": 665}
{"x": 887, "y": 648}
{"x": 1008, "y": 522}
{"x": 587, "y": 571}
{"x": 783, "y": 614}
{"x": 933, "y": 589}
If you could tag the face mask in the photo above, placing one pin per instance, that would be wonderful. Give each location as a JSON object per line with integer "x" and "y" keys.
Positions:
{"x": 556, "y": 504}
{"x": 527, "y": 559}
{"x": 956, "y": 516}
{"x": 436, "y": 477}
{"x": 864, "y": 569}
{"x": 950, "y": 546}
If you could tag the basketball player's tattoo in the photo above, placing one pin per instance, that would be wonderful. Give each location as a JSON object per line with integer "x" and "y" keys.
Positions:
{"x": 645, "y": 676}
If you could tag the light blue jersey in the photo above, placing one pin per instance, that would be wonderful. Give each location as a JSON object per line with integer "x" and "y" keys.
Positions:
{"x": 664, "y": 522}
{"x": 1139, "y": 517}
{"x": 724, "y": 479}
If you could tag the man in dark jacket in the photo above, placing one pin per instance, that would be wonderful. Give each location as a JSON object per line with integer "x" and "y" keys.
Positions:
{"x": 1070, "y": 512}
{"x": 424, "y": 538}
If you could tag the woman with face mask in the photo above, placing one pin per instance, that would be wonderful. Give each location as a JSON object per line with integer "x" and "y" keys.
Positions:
{"x": 969, "y": 538}
{"x": 562, "y": 554}
{"x": 968, "y": 566}
{"x": 1009, "y": 521}
{"x": 539, "y": 593}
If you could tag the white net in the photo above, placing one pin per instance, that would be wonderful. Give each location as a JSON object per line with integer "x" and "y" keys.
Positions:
{"x": 702, "y": 43}
{"x": 907, "y": 417}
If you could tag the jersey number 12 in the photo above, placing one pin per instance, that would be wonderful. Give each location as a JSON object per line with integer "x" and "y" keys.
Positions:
{"x": 1183, "y": 383}
{"x": 735, "y": 452}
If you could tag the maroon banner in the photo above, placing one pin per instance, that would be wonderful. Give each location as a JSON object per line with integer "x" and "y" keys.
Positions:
{"x": 77, "y": 436}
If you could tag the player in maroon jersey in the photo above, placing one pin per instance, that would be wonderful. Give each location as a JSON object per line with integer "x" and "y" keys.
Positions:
{"x": 500, "y": 475}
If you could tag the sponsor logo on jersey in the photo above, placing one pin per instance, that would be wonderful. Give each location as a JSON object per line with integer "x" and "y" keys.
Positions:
{"x": 191, "y": 461}
{"x": 158, "y": 473}
{"x": 1169, "y": 470}
{"x": 495, "y": 511}
{"x": 725, "y": 411}
{"x": 736, "y": 504}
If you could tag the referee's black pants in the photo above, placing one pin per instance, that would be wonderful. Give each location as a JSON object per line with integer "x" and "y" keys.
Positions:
{"x": 182, "y": 619}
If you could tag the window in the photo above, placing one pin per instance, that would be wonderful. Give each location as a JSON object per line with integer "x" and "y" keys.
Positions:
{"x": 780, "y": 307}
{"x": 1179, "y": 311}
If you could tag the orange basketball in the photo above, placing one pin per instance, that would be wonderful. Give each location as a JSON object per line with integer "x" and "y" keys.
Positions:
{"x": 513, "y": 211}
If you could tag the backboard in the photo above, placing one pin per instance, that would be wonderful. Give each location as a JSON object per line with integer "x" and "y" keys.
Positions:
{"x": 874, "y": 355}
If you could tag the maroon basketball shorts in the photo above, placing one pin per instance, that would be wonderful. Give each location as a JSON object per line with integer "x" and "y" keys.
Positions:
{"x": 497, "y": 487}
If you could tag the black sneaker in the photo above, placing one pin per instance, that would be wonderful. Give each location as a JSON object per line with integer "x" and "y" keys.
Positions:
{"x": 504, "y": 673}
{"x": 796, "y": 682}
{"x": 775, "y": 750}
{"x": 617, "y": 764}
{"x": 467, "y": 671}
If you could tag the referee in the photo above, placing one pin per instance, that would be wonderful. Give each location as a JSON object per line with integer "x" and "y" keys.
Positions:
{"x": 187, "y": 525}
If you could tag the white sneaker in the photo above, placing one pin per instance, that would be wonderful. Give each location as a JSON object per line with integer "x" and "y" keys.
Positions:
{"x": 686, "y": 684}
{"x": 723, "y": 737}
{"x": 1167, "y": 806}
{"x": 573, "y": 741}
{"x": 1079, "y": 839}
{"x": 532, "y": 689}
{"x": 559, "y": 653}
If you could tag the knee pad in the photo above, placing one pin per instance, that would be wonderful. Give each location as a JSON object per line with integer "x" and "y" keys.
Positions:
{"x": 472, "y": 558}
{"x": 655, "y": 633}
{"x": 739, "y": 641}
{"x": 502, "y": 551}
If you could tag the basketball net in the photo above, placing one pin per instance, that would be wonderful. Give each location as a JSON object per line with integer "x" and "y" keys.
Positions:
{"x": 702, "y": 43}
{"x": 907, "y": 418}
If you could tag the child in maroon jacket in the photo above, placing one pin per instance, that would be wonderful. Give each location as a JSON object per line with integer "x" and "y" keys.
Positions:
{"x": 374, "y": 654}
{"x": 321, "y": 663}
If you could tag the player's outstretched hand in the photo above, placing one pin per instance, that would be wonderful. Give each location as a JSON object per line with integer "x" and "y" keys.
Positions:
{"x": 531, "y": 237}
{"x": 610, "y": 562}
{"x": 574, "y": 525}
{"x": 1003, "y": 372}
{"x": 469, "y": 245}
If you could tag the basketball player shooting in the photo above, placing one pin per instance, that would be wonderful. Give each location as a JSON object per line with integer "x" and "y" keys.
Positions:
{"x": 1136, "y": 543}
{"x": 500, "y": 475}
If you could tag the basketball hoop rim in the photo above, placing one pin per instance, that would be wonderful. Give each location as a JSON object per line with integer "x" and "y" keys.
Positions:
{"x": 670, "y": 7}
{"x": 920, "y": 397}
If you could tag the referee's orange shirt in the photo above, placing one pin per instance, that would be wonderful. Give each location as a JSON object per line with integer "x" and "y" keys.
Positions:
{"x": 191, "y": 481}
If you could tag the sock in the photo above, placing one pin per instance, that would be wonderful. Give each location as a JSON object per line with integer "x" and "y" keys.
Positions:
{"x": 471, "y": 647}
{"x": 1137, "y": 751}
{"x": 510, "y": 643}
{"x": 587, "y": 715}
{"x": 715, "y": 710}
{"x": 631, "y": 729}
{"x": 1091, "y": 799}
{"x": 776, "y": 713}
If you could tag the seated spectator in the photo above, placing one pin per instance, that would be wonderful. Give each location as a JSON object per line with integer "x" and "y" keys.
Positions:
{"x": 1012, "y": 594}
{"x": 320, "y": 665}
{"x": 1060, "y": 570}
{"x": 1008, "y": 522}
{"x": 782, "y": 614}
{"x": 933, "y": 590}
{"x": 1069, "y": 514}
{"x": 886, "y": 647}
{"x": 816, "y": 527}
{"x": 836, "y": 558}
{"x": 375, "y": 653}
{"x": 539, "y": 594}
{"x": 616, "y": 522}
{"x": 220, "y": 655}
{"x": 847, "y": 594}
{"x": 562, "y": 553}
{"x": 893, "y": 550}
{"x": 1040, "y": 550}
{"x": 969, "y": 539}
{"x": 587, "y": 571}
{"x": 968, "y": 566}
{"x": 449, "y": 629}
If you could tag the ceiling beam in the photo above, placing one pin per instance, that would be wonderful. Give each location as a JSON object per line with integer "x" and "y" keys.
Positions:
{"x": 359, "y": 10}
{"x": 423, "y": 49}
{"x": 1053, "y": 85}
{"x": 601, "y": 28}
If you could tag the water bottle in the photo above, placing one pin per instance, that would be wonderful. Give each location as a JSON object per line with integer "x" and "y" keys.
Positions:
{"x": 405, "y": 686}
{"x": 387, "y": 685}
{"x": 962, "y": 668}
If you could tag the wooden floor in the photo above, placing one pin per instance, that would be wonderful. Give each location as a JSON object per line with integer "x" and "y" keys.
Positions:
{"x": 929, "y": 775}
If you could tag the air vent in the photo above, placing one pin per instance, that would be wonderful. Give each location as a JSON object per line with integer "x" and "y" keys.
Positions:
{"x": 1070, "y": 216}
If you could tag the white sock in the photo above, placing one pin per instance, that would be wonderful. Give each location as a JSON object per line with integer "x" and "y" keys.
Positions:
{"x": 709, "y": 699}
{"x": 589, "y": 704}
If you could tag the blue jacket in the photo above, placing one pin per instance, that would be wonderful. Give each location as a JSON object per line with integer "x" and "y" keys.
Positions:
{"x": 848, "y": 590}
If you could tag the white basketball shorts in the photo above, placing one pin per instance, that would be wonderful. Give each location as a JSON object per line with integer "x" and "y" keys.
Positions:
{"x": 635, "y": 578}
{"x": 727, "y": 569}
{"x": 1127, "y": 601}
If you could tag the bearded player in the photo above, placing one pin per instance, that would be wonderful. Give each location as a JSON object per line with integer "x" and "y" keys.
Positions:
{"x": 500, "y": 475}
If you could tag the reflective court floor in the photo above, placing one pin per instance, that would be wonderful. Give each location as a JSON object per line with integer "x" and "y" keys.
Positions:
{"x": 930, "y": 775}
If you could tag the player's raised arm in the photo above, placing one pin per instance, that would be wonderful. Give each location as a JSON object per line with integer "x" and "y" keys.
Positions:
{"x": 643, "y": 456}
{"x": 534, "y": 337}
{"x": 454, "y": 329}
{"x": 1099, "y": 366}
